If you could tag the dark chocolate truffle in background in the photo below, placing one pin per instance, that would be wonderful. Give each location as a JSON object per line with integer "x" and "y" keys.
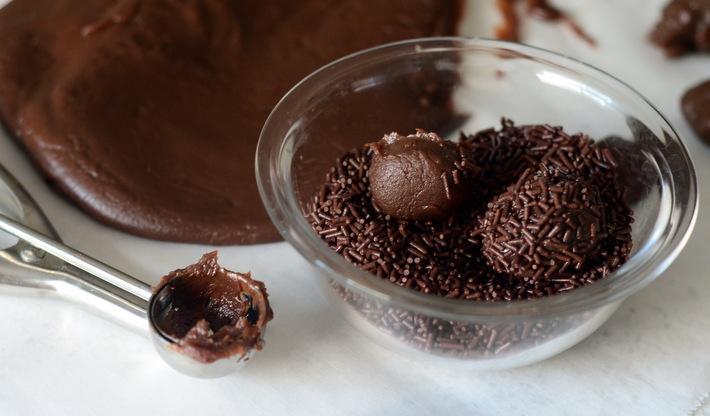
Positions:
{"x": 696, "y": 109}
{"x": 548, "y": 224}
{"x": 684, "y": 27}
{"x": 420, "y": 176}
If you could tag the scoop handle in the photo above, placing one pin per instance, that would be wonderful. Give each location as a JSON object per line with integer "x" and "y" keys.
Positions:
{"x": 42, "y": 263}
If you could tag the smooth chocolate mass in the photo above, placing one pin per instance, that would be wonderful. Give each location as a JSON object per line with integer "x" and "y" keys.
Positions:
{"x": 147, "y": 113}
{"x": 420, "y": 176}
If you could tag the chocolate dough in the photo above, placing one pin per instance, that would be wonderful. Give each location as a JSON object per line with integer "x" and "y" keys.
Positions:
{"x": 214, "y": 313}
{"x": 147, "y": 113}
{"x": 420, "y": 176}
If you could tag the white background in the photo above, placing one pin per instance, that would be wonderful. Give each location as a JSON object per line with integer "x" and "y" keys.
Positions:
{"x": 651, "y": 358}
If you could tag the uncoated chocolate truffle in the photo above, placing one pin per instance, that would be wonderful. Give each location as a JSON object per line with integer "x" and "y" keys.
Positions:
{"x": 420, "y": 176}
{"x": 696, "y": 109}
{"x": 548, "y": 224}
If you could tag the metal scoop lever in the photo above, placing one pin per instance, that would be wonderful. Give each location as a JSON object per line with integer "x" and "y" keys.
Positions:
{"x": 37, "y": 261}
{"x": 32, "y": 258}
{"x": 73, "y": 275}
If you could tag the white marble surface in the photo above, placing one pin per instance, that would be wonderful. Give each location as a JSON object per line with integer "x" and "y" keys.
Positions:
{"x": 651, "y": 358}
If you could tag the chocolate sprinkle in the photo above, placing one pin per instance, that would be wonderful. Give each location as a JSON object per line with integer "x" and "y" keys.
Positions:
{"x": 454, "y": 339}
{"x": 550, "y": 228}
{"x": 547, "y": 216}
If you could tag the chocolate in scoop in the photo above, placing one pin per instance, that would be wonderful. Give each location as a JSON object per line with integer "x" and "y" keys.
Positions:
{"x": 215, "y": 313}
{"x": 420, "y": 176}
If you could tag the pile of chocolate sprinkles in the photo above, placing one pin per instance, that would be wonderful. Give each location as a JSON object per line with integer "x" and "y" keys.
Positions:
{"x": 518, "y": 237}
{"x": 446, "y": 258}
{"x": 454, "y": 339}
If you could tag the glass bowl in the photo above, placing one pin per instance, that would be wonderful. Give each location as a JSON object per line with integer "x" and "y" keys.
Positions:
{"x": 449, "y": 85}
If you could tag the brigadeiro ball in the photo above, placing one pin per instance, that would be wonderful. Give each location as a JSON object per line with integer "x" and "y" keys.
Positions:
{"x": 420, "y": 176}
{"x": 683, "y": 27}
{"x": 546, "y": 225}
{"x": 695, "y": 104}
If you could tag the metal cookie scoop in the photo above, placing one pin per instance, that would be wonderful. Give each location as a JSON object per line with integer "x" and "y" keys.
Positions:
{"x": 33, "y": 258}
